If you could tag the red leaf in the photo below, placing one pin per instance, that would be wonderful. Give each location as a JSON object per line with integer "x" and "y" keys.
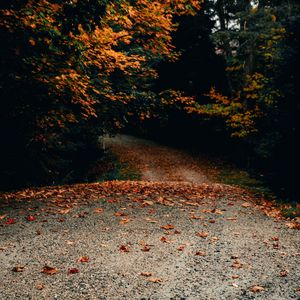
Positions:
{"x": 73, "y": 271}
{"x": 124, "y": 248}
{"x": 10, "y": 221}
{"x": 30, "y": 218}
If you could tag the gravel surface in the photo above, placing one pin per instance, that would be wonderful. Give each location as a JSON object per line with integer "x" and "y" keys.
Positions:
{"x": 241, "y": 242}
{"x": 191, "y": 246}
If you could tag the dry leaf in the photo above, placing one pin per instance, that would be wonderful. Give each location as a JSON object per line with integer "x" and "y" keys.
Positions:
{"x": 49, "y": 270}
{"x": 3, "y": 216}
{"x": 155, "y": 280}
{"x": 284, "y": 273}
{"x": 181, "y": 248}
{"x": 70, "y": 242}
{"x": 165, "y": 239}
{"x": 10, "y": 221}
{"x": 202, "y": 234}
{"x": 39, "y": 286}
{"x": 73, "y": 271}
{"x": 235, "y": 276}
{"x": 151, "y": 220}
{"x": 147, "y": 203}
{"x": 64, "y": 211}
{"x": 98, "y": 210}
{"x": 120, "y": 214}
{"x": 84, "y": 259}
{"x": 146, "y": 274}
{"x": 168, "y": 227}
{"x": 201, "y": 253}
{"x": 246, "y": 204}
{"x": 256, "y": 289}
{"x": 18, "y": 268}
{"x": 237, "y": 265}
{"x": 195, "y": 217}
{"x": 146, "y": 248}
{"x": 293, "y": 225}
{"x": 30, "y": 218}
{"x": 124, "y": 221}
{"x": 124, "y": 248}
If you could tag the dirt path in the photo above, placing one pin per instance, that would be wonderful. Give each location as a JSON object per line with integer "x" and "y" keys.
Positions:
{"x": 157, "y": 162}
{"x": 177, "y": 237}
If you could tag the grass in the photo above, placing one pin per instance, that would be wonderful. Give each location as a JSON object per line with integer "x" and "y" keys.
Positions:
{"x": 112, "y": 169}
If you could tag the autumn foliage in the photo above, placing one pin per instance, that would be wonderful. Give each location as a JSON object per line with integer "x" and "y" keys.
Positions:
{"x": 73, "y": 70}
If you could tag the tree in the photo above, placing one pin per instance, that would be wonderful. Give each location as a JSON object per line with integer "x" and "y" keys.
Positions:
{"x": 76, "y": 69}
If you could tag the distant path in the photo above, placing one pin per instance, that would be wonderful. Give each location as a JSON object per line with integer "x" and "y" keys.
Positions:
{"x": 158, "y": 162}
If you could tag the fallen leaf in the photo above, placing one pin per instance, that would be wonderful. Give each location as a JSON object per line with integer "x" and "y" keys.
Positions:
{"x": 274, "y": 238}
{"x": 231, "y": 219}
{"x": 38, "y": 232}
{"x": 124, "y": 221}
{"x": 98, "y": 210}
{"x": 64, "y": 211}
{"x": 246, "y": 204}
{"x": 151, "y": 220}
{"x": 124, "y": 248}
{"x": 237, "y": 265}
{"x": 177, "y": 232}
{"x": 155, "y": 280}
{"x": 147, "y": 203}
{"x": 284, "y": 273}
{"x": 49, "y": 270}
{"x": 70, "y": 242}
{"x": 120, "y": 214}
{"x": 235, "y": 276}
{"x": 165, "y": 239}
{"x": 168, "y": 227}
{"x": 293, "y": 225}
{"x": 30, "y": 218}
{"x": 146, "y": 274}
{"x": 84, "y": 259}
{"x": 202, "y": 234}
{"x": 212, "y": 221}
{"x": 256, "y": 289}
{"x": 201, "y": 253}
{"x": 195, "y": 217}
{"x": 73, "y": 271}
{"x": 10, "y": 221}
{"x": 3, "y": 216}
{"x": 18, "y": 268}
{"x": 181, "y": 248}
{"x": 146, "y": 248}
{"x": 39, "y": 286}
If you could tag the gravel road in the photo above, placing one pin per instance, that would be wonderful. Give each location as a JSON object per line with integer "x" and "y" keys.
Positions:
{"x": 144, "y": 240}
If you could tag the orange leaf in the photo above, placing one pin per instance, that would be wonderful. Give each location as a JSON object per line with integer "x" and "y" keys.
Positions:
{"x": 202, "y": 234}
{"x": 168, "y": 227}
{"x": 49, "y": 270}
{"x": 84, "y": 259}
